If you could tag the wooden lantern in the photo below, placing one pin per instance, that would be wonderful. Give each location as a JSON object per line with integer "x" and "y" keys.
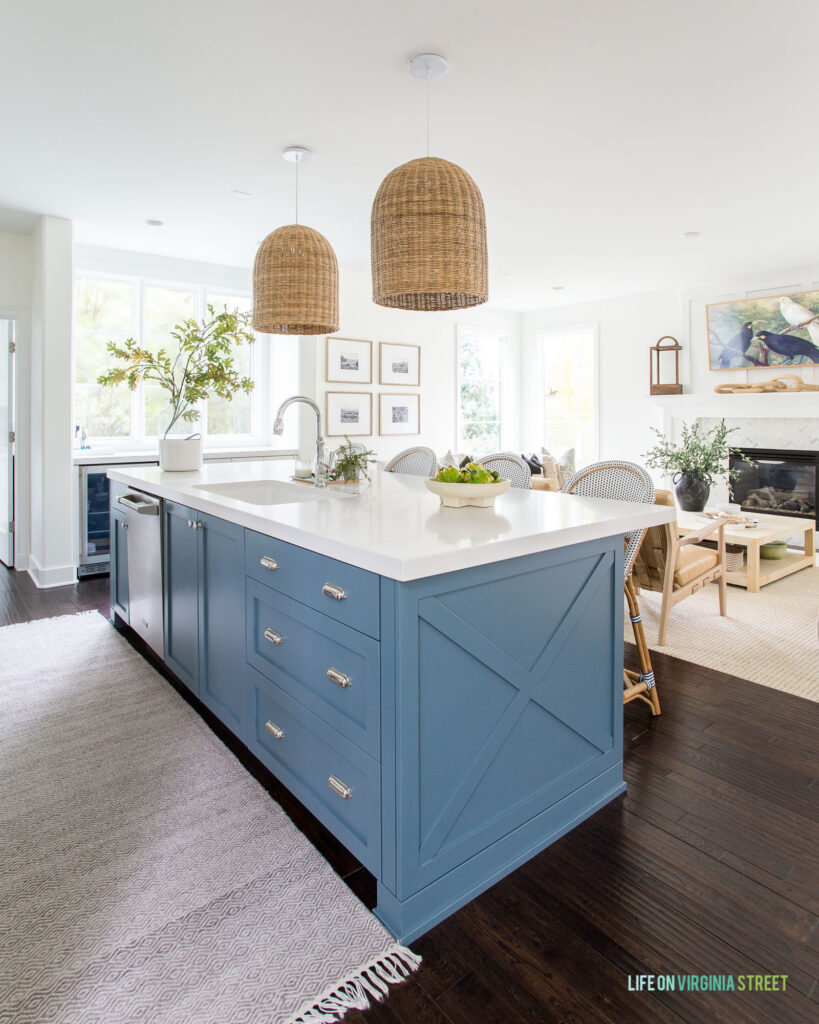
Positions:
{"x": 656, "y": 388}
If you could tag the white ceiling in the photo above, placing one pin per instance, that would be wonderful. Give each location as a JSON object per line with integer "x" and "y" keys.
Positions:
{"x": 598, "y": 132}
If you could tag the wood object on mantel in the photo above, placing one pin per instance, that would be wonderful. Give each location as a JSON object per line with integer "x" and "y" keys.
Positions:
{"x": 655, "y": 387}
{"x": 788, "y": 383}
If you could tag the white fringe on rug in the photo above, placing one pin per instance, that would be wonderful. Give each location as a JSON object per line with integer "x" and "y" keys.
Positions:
{"x": 392, "y": 968}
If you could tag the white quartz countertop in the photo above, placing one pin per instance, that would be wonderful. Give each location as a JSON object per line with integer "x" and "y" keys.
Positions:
{"x": 394, "y": 526}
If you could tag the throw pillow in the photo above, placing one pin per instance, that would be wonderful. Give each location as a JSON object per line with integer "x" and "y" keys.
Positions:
{"x": 448, "y": 459}
{"x": 550, "y": 471}
{"x": 564, "y": 463}
{"x": 533, "y": 462}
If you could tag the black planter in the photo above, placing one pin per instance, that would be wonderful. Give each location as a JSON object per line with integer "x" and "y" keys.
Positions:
{"x": 692, "y": 491}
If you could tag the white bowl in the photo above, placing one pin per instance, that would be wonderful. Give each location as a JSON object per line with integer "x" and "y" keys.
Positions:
{"x": 459, "y": 495}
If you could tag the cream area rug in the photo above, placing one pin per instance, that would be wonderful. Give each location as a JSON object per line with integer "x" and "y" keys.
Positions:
{"x": 768, "y": 638}
{"x": 146, "y": 877}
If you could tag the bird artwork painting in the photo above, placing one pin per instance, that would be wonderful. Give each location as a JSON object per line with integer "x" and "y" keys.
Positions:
{"x": 769, "y": 331}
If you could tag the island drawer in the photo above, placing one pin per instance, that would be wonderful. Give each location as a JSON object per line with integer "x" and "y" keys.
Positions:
{"x": 344, "y": 592}
{"x": 331, "y": 669}
{"x": 332, "y": 777}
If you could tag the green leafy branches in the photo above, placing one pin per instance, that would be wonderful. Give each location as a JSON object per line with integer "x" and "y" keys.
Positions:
{"x": 349, "y": 461}
{"x": 202, "y": 365}
{"x": 704, "y": 453}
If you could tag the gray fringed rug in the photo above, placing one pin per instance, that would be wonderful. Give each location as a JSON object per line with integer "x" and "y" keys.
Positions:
{"x": 146, "y": 877}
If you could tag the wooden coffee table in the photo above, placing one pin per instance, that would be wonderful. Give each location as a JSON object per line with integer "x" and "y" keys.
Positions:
{"x": 761, "y": 571}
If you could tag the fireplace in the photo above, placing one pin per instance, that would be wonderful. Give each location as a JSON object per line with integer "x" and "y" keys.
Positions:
{"x": 784, "y": 483}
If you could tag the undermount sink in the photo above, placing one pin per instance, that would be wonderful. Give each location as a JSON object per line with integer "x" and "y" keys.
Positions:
{"x": 266, "y": 492}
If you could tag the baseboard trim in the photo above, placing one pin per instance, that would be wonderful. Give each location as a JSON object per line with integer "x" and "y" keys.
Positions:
{"x": 44, "y": 579}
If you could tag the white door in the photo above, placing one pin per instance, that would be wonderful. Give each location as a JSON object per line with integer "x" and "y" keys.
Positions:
{"x": 6, "y": 443}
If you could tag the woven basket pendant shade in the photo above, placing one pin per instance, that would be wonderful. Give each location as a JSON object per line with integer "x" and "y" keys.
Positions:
{"x": 428, "y": 238}
{"x": 295, "y": 283}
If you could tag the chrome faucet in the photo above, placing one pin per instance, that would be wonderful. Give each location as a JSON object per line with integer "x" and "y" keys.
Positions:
{"x": 322, "y": 466}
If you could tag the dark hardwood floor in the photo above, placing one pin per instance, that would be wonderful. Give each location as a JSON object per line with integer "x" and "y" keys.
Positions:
{"x": 707, "y": 865}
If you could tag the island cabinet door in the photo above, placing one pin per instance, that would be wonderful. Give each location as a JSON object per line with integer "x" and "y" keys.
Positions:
{"x": 181, "y": 548}
{"x": 119, "y": 565}
{"x": 221, "y": 620}
{"x": 505, "y": 696}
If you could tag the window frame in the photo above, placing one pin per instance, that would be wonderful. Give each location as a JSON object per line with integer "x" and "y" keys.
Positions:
{"x": 138, "y": 440}
{"x": 540, "y": 339}
{"x": 502, "y": 338}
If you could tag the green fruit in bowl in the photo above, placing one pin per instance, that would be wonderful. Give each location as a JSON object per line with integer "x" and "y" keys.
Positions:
{"x": 449, "y": 475}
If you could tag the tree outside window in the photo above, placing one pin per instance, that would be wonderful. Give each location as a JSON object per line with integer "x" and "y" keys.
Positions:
{"x": 111, "y": 308}
{"x": 480, "y": 381}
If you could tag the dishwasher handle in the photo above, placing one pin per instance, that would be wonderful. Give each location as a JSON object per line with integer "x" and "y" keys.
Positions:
{"x": 142, "y": 506}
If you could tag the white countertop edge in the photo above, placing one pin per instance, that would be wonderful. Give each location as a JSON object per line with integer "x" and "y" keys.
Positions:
{"x": 408, "y": 568}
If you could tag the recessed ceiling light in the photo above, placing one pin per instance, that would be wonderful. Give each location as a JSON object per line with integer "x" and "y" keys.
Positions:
{"x": 154, "y": 223}
{"x": 237, "y": 193}
{"x": 557, "y": 287}
{"x": 691, "y": 234}
{"x": 507, "y": 277}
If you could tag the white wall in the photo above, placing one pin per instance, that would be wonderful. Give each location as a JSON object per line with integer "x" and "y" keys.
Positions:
{"x": 161, "y": 268}
{"x": 436, "y": 334}
{"x": 15, "y": 270}
{"x": 626, "y": 326}
{"x": 51, "y": 561}
{"x": 16, "y": 255}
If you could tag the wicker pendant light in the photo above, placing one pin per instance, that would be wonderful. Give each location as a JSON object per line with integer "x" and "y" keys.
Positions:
{"x": 295, "y": 277}
{"x": 428, "y": 229}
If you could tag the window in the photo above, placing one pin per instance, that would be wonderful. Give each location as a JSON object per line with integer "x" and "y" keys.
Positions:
{"x": 568, "y": 391}
{"x": 480, "y": 383}
{"x": 115, "y": 308}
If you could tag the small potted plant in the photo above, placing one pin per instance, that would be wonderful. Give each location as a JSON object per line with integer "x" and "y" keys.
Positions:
{"x": 202, "y": 365}
{"x": 350, "y": 463}
{"x": 700, "y": 456}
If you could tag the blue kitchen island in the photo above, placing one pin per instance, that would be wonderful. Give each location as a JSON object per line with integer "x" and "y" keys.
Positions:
{"x": 442, "y": 688}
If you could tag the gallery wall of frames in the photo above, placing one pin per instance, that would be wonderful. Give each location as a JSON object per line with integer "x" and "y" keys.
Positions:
{"x": 392, "y": 410}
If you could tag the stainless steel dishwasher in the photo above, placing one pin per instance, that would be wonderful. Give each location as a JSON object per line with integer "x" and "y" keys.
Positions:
{"x": 145, "y": 567}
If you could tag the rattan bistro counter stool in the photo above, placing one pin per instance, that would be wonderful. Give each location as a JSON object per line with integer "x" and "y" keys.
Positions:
{"x": 624, "y": 481}
{"x": 416, "y": 461}
{"x": 510, "y": 466}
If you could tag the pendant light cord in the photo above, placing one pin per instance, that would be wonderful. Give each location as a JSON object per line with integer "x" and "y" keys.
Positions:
{"x": 427, "y": 112}
{"x": 297, "y": 190}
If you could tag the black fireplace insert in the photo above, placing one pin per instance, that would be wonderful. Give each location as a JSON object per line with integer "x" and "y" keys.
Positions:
{"x": 784, "y": 483}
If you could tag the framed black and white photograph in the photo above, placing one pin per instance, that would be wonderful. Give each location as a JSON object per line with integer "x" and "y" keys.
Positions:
{"x": 400, "y": 364}
{"x": 350, "y": 413}
{"x": 349, "y": 361}
{"x": 399, "y": 414}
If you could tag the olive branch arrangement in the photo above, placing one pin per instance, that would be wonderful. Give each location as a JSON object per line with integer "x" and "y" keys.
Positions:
{"x": 203, "y": 364}
{"x": 705, "y": 453}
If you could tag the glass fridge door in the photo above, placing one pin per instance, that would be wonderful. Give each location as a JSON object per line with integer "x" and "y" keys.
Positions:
{"x": 97, "y": 535}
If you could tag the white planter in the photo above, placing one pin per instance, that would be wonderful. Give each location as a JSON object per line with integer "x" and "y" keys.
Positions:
{"x": 460, "y": 495}
{"x": 180, "y": 454}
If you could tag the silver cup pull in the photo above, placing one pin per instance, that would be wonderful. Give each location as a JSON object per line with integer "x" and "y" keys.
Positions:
{"x": 331, "y": 590}
{"x": 339, "y": 787}
{"x": 339, "y": 678}
{"x": 273, "y": 636}
{"x": 268, "y": 563}
{"x": 124, "y": 526}
{"x": 274, "y": 730}
{"x": 190, "y": 523}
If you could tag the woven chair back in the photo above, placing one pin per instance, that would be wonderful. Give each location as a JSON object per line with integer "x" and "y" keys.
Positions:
{"x": 652, "y": 558}
{"x": 416, "y": 461}
{"x": 510, "y": 466}
{"x": 618, "y": 481}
